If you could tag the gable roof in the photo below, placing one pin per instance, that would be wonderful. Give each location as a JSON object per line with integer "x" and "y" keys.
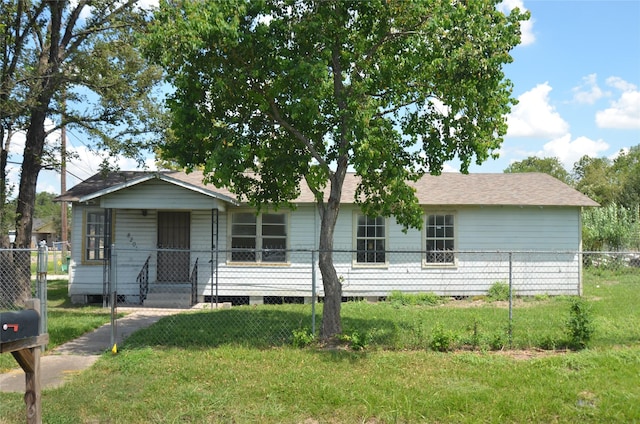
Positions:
{"x": 102, "y": 184}
{"x": 517, "y": 189}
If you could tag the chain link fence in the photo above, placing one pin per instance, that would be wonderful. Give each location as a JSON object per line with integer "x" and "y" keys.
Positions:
{"x": 23, "y": 277}
{"x": 263, "y": 297}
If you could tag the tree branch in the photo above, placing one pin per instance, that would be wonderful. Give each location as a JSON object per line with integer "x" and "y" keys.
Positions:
{"x": 276, "y": 116}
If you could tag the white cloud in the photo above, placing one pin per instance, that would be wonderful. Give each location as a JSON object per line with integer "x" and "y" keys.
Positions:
{"x": 447, "y": 167}
{"x": 588, "y": 92}
{"x": 623, "y": 113}
{"x": 87, "y": 163}
{"x": 620, "y": 84}
{"x": 569, "y": 151}
{"x": 83, "y": 164}
{"x": 526, "y": 27}
{"x": 620, "y": 152}
{"x": 534, "y": 116}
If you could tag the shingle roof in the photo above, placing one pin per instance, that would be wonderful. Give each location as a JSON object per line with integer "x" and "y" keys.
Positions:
{"x": 518, "y": 189}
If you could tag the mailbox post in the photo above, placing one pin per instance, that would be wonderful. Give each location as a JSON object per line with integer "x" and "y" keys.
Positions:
{"x": 20, "y": 335}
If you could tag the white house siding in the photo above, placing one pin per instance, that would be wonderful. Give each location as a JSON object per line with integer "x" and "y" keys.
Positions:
{"x": 497, "y": 230}
{"x": 156, "y": 194}
{"x": 489, "y": 229}
{"x": 539, "y": 238}
{"x": 291, "y": 279}
{"x": 135, "y": 237}
{"x": 83, "y": 280}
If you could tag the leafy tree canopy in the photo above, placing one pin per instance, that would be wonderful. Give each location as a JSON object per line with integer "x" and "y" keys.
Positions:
{"x": 611, "y": 181}
{"x": 551, "y": 166}
{"x": 302, "y": 89}
{"x": 593, "y": 177}
{"x": 77, "y": 64}
{"x": 626, "y": 167}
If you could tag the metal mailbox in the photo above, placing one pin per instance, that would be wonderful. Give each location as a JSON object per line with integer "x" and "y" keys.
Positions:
{"x": 16, "y": 325}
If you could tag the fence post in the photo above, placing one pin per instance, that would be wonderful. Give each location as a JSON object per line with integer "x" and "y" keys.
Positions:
{"x": 510, "y": 299}
{"x": 41, "y": 289}
{"x": 313, "y": 292}
{"x": 113, "y": 298}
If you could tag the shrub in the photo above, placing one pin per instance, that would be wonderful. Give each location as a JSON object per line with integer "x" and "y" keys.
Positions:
{"x": 579, "y": 326}
{"x": 441, "y": 340}
{"x": 302, "y": 337}
{"x": 498, "y": 291}
{"x": 357, "y": 341}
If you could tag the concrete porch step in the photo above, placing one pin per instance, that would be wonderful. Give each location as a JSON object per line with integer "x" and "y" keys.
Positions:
{"x": 168, "y": 296}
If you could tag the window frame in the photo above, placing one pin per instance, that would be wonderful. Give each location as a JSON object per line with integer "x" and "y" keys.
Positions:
{"x": 454, "y": 239}
{"x": 258, "y": 238}
{"x": 86, "y": 236}
{"x": 385, "y": 225}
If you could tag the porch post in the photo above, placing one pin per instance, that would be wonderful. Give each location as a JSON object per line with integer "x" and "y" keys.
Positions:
{"x": 214, "y": 255}
{"x": 106, "y": 268}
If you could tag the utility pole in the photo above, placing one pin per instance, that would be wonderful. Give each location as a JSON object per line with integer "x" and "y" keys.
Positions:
{"x": 63, "y": 185}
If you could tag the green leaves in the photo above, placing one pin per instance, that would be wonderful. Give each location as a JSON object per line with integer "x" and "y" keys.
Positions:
{"x": 269, "y": 92}
{"x": 390, "y": 89}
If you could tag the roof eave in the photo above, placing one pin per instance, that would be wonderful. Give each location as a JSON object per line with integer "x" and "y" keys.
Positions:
{"x": 115, "y": 188}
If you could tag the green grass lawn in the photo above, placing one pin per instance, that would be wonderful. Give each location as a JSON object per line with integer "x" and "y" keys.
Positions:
{"x": 66, "y": 321}
{"x": 228, "y": 375}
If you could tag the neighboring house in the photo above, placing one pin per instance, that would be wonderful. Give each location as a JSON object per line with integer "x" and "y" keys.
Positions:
{"x": 43, "y": 230}
{"x": 138, "y": 212}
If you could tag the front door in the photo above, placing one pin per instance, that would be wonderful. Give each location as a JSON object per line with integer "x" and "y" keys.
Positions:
{"x": 173, "y": 247}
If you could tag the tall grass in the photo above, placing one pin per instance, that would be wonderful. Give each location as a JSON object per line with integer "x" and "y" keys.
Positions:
{"x": 612, "y": 227}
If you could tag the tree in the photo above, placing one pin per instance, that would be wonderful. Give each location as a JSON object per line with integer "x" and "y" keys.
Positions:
{"x": 15, "y": 28}
{"x": 268, "y": 93}
{"x": 550, "y": 166}
{"x": 48, "y": 210}
{"x": 594, "y": 177}
{"x": 626, "y": 167}
{"x": 80, "y": 58}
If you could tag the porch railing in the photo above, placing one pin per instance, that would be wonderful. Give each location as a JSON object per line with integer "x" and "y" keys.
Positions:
{"x": 193, "y": 279}
{"x": 143, "y": 280}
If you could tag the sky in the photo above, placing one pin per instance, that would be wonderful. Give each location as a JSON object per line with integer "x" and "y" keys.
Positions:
{"x": 576, "y": 76}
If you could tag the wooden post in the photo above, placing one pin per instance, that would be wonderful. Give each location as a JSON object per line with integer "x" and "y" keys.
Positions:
{"x": 27, "y": 353}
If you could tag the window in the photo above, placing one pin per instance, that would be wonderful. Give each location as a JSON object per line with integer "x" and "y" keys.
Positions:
{"x": 258, "y": 238}
{"x": 95, "y": 235}
{"x": 370, "y": 240}
{"x": 440, "y": 241}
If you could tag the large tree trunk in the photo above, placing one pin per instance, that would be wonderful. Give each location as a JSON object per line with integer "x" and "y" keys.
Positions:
{"x": 48, "y": 67}
{"x": 20, "y": 271}
{"x": 5, "y": 225}
{"x": 31, "y": 166}
{"x": 331, "y": 322}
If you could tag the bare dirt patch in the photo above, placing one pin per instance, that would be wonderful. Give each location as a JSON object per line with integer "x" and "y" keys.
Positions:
{"x": 528, "y": 354}
{"x": 504, "y": 304}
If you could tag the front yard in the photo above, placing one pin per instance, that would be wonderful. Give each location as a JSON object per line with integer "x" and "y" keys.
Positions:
{"x": 222, "y": 375}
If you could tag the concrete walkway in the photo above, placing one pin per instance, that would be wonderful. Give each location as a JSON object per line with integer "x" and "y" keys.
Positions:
{"x": 66, "y": 360}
